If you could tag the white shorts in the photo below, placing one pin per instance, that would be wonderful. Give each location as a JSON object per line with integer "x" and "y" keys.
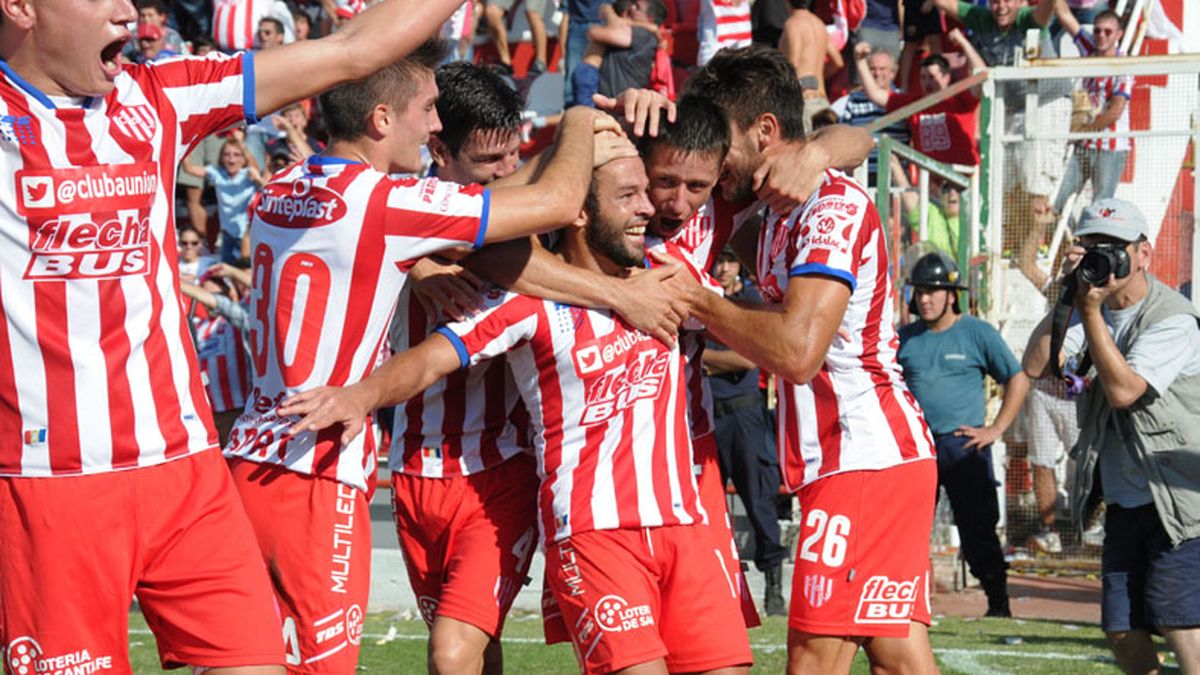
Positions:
{"x": 1052, "y": 428}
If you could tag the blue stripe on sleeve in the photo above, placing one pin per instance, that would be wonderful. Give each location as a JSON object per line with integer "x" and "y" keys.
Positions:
{"x": 483, "y": 218}
{"x": 464, "y": 359}
{"x": 249, "y": 100}
{"x": 819, "y": 268}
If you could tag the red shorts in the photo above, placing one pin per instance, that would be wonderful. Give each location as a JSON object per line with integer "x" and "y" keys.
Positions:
{"x": 712, "y": 497}
{"x": 468, "y": 538}
{"x": 77, "y": 549}
{"x": 862, "y": 561}
{"x": 633, "y": 596}
{"x": 315, "y": 536}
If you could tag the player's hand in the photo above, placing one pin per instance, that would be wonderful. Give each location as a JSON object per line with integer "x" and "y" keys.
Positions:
{"x": 443, "y": 289}
{"x": 610, "y": 146}
{"x": 978, "y": 438}
{"x": 641, "y": 108}
{"x": 654, "y": 301}
{"x": 324, "y": 407}
{"x": 790, "y": 173}
{"x": 862, "y": 50}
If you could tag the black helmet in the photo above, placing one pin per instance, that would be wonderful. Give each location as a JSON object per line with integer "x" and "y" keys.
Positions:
{"x": 935, "y": 270}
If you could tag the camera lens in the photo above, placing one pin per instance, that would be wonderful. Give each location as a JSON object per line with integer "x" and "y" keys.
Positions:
{"x": 1096, "y": 266}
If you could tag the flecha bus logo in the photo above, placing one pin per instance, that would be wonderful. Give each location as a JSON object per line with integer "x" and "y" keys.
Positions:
{"x": 885, "y": 600}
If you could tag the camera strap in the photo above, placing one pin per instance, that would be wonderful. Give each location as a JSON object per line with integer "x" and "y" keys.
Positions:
{"x": 1059, "y": 322}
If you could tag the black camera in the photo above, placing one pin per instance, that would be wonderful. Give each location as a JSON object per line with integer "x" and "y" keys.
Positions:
{"x": 1101, "y": 260}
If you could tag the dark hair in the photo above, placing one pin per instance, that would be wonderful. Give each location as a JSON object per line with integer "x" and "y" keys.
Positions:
{"x": 157, "y": 5}
{"x": 474, "y": 98}
{"x": 936, "y": 60}
{"x": 800, "y": 4}
{"x": 700, "y": 127}
{"x": 345, "y": 108}
{"x": 752, "y": 81}
{"x": 201, "y": 41}
{"x": 1108, "y": 15}
{"x": 271, "y": 19}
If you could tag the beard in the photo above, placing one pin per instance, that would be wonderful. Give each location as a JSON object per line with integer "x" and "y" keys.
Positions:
{"x": 610, "y": 242}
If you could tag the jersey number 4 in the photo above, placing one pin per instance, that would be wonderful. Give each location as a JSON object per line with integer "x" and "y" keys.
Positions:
{"x": 300, "y": 270}
{"x": 820, "y": 526}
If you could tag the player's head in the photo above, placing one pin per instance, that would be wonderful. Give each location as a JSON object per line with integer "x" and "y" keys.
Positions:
{"x": 757, "y": 89}
{"x": 394, "y": 109}
{"x": 684, "y": 162}
{"x": 153, "y": 11}
{"x": 1108, "y": 31}
{"x": 67, "y": 47}
{"x": 935, "y": 73}
{"x": 480, "y": 140}
{"x": 270, "y": 33}
{"x": 617, "y": 211}
{"x": 233, "y": 156}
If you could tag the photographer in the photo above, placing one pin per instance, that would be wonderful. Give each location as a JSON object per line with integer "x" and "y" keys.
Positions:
{"x": 1137, "y": 348}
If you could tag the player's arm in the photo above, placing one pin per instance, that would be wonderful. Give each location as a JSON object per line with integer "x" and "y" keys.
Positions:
{"x": 400, "y": 378}
{"x": 974, "y": 60}
{"x": 649, "y": 300}
{"x": 555, "y": 197}
{"x": 192, "y": 169}
{"x": 376, "y": 38}
{"x": 791, "y": 172}
{"x": 790, "y": 341}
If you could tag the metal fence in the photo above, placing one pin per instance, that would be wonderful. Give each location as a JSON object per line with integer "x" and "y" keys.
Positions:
{"x": 1032, "y": 153}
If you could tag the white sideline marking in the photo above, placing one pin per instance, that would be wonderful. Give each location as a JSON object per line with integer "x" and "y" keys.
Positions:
{"x": 771, "y": 648}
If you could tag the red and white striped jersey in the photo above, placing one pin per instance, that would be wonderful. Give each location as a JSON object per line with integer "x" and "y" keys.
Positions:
{"x": 722, "y": 23}
{"x": 235, "y": 22}
{"x": 97, "y": 367}
{"x": 698, "y": 243}
{"x": 331, "y": 244}
{"x": 856, "y": 413}
{"x": 1101, "y": 90}
{"x": 467, "y": 422}
{"x": 222, "y": 354}
{"x": 607, "y": 407}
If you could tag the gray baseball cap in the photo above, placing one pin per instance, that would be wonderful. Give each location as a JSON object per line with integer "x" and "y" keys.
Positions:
{"x": 1115, "y": 218}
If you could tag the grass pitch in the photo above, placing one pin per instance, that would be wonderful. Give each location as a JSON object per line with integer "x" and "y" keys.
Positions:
{"x": 396, "y": 644}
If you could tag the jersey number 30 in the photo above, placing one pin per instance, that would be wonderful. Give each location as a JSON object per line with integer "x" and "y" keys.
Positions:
{"x": 299, "y": 270}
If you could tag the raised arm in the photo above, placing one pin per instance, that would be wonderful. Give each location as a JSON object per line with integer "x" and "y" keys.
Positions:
{"x": 400, "y": 378}
{"x": 974, "y": 60}
{"x": 950, "y": 7}
{"x": 1045, "y": 11}
{"x": 1067, "y": 19}
{"x": 376, "y": 38}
